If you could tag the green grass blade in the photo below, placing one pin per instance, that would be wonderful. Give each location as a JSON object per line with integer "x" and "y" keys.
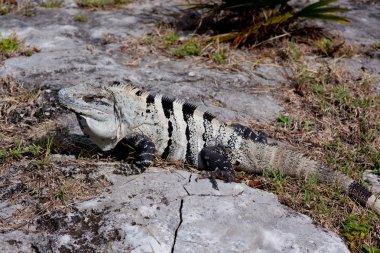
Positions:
{"x": 330, "y": 17}
{"x": 324, "y": 10}
{"x": 318, "y": 4}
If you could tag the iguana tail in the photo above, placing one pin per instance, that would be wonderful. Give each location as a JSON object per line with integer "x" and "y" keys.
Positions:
{"x": 284, "y": 158}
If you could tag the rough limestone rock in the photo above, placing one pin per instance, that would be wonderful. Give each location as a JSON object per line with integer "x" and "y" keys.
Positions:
{"x": 163, "y": 211}
{"x": 73, "y": 53}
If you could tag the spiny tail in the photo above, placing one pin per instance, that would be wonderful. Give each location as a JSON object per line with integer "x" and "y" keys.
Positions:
{"x": 292, "y": 163}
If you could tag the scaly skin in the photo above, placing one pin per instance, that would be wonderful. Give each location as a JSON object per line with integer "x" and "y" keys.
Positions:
{"x": 176, "y": 130}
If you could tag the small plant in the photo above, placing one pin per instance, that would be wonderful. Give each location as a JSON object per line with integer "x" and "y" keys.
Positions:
{"x": 45, "y": 158}
{"x": 100, "y": 3}
{"x": 340, "y": 95}
{"x": 170, "y": 39}
{"x": 61, "y": 194}
{"x": 278, "y": 178}
{"x": 308, "y": 125}
{"x": 80, "y": 18}
{"x": 190, "y": 47}
{"x": 9, "y": 45}
{"x": 28, "y": 52}
{"x": 284, "y": 121}
{"x": 28, "y": 10}
{"x": 4, "y": 9}
{"x": 294, "y": 51}
{"x": 355, "y": 230}
{"x": 220, "y": 57}
{"x": 20, "y": 150}
{"x": 325, "y": 47}
{"x": 250, "y": 21}
{"x": 17, "y": 153}
{"x": 367, "y": 249}
{"x": 53, "y": 4}
{"x": 311, "y": 192}
{"x": 318, "y": 89}
{"x": 3, "y": 153}
{"x": 34, "y": 149}
{"x": 377, "y": 45}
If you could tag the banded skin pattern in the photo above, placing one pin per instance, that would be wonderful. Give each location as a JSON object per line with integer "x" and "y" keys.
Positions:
{"x": 155, "y": 125}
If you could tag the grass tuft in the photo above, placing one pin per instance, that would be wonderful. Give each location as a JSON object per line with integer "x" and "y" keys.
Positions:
{"x": 100, "y": 4}
{"x": 12, "y": 46}
{"x": 4, "y": 9}
{"x": 220, "y": 57}
{"x": 82, "y": 18}
{"x": 325, "y": 47}
{"x": 355, "y": 230}
{"x": 9, "y": 45}
{"x": 52, "y": 4}
{"x": 170, "y": 39}
{"x": 189, "y": 47}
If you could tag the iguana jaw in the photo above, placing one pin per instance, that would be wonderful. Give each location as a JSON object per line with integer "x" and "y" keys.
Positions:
{"x": 94, "y": 108}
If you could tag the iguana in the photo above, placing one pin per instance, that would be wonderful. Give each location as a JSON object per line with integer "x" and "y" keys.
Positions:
{"x": 121, "y": 114}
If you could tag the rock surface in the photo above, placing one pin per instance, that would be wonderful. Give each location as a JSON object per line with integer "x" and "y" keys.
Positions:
{"x": 74, "y": 52}
{"x": 160, "y": 211}
{"x": 163, "y": 211}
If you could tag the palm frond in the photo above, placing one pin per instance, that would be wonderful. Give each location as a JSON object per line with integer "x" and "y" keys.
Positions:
{"x": 320, "y": 10}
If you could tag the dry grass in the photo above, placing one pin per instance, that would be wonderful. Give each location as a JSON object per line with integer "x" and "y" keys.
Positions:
{"x": 31, "y": 182}
{"x": 333, "y": 116}
{"x": 25, "y": 8}
{"x": 100, "y": 4}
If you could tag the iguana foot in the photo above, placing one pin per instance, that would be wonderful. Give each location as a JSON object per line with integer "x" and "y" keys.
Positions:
{"x": 128, "y": 170}
{"x": 142, "y": 148}
{"x": 217, "y": 165}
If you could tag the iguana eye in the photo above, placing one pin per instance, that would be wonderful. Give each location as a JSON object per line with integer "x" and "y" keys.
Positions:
{"x": 98, "y": 100}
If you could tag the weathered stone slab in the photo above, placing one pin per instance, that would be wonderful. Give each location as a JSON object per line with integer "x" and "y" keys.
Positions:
{"x": 163, "y": 211}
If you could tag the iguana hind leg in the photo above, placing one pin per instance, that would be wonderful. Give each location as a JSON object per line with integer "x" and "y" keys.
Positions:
{"x": 217, "y": 165}
{"x": 141, "y": 147}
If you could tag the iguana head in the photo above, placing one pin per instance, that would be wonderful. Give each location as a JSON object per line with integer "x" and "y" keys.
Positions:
{"x": 96, "y": 112}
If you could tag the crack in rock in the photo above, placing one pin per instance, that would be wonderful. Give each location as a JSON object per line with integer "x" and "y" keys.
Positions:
{"x": 179, "y": 224}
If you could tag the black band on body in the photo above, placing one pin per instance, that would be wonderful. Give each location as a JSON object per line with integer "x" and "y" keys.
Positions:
{"x": 358, "y": 193}
{"x": 150, "y": 100}
{"x": 188, "y": 112}
{"x": 207, "y": 118}
{"x": 248, "y": 134}
{"x": 167, "y": 106}
{"x": 165, "y": 155}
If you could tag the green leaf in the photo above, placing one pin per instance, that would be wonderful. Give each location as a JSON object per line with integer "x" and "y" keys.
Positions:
{"x": 318, "y": 4}
{"x": 320, "y": 10}
{"x": 330, "y": 17}
{"x": 326, "y": 10}
{"x": 279, "y": 19}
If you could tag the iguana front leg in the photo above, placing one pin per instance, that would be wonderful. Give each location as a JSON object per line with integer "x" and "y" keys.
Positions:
{"x": 217, "y": 165}
{"x": 141, "y": 147}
